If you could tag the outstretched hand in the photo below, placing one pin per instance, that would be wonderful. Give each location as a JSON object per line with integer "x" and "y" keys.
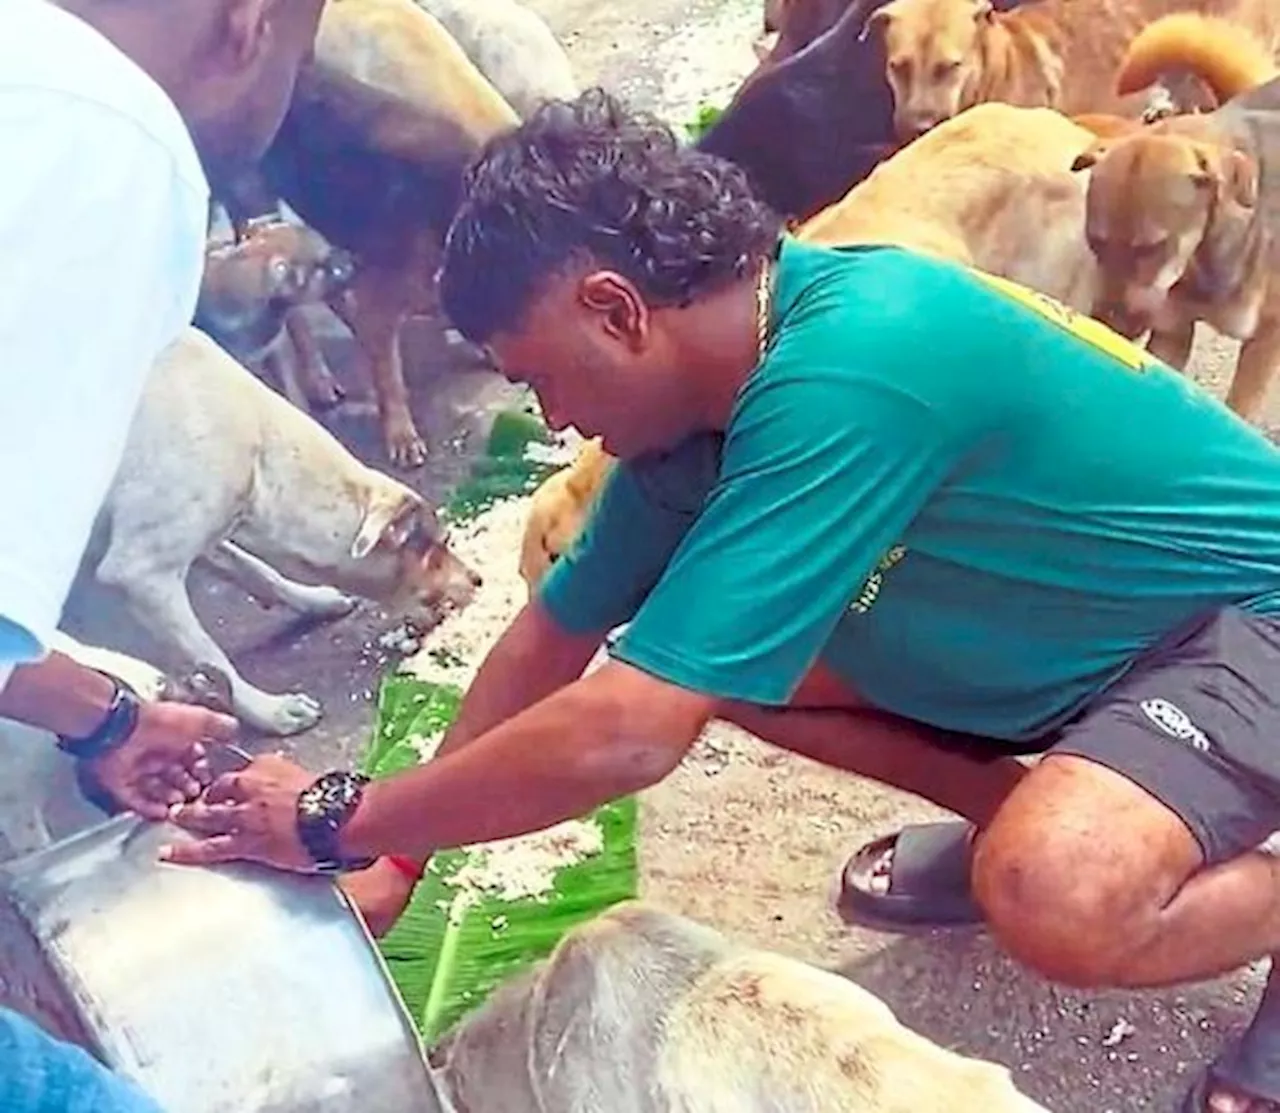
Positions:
{"x": 165, "y": 760}
{"x": 248, "y": 815}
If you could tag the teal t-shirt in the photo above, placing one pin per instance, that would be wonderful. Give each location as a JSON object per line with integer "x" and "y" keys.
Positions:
{"x": 971, "y": 503}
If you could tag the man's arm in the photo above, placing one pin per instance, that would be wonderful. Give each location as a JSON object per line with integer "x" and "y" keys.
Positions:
{"x": 58, "y": 695}
{"x": 533, "y": 658}
{"x": 607, "y": 735}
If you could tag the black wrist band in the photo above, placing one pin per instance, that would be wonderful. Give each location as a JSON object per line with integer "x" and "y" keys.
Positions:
{"x": 117, "y": 726}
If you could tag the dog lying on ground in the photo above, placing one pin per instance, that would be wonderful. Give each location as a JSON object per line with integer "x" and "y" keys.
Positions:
{"x": 249, "y": 295}
{"x": 371, "y": 155}
{"x": 559, "y": 508}
{"x": 1184, "y": 217}
{"x": 643, "y": 1011}
{"x": 220, "y": 468}
{"x": 40, "y": 798}
{"x": 942, "y": 56}
{"x": 512, "y": 46}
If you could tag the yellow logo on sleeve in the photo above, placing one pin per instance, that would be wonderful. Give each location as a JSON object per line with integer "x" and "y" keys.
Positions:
{"x": 1080, "y": 325}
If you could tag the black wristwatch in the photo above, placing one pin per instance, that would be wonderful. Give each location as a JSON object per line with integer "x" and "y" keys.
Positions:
{"x": 117, "y": 725}
{"x": 323, "y": 810}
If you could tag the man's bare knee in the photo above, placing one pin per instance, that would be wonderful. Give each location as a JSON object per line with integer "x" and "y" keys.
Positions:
{"x": 1045, "y": 909}
{"x": 1075, "y": 870}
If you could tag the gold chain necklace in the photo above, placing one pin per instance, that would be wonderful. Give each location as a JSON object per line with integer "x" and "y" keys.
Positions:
{"x": 764, "y": 293}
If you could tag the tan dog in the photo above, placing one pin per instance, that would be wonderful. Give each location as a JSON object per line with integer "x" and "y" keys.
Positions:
{"x": 397, "y": 47}
{"x": 251, "y": 290}
{"x": 943, "y": 56}
{"x": 644, "y": 1011}
{"x": 559, "y": 509}
{"x": 998, "y": 193}
{"x": 1176, "y": 216}
{"x": 220, "y": 468}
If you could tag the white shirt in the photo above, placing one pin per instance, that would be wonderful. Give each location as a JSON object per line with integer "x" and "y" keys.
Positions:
{"x": 103, "y": 212}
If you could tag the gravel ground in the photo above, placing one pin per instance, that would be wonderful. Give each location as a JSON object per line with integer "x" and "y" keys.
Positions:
{"x": 744, "y": 837}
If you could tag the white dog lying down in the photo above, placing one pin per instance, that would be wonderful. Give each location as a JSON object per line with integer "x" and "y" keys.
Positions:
{"x": 40, "y": 801}
{"x": 642, "y": 1011}
{"x": 219, "y": 466}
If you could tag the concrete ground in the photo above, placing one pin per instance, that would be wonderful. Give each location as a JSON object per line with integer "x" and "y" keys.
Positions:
{"x": 744, "y": 837}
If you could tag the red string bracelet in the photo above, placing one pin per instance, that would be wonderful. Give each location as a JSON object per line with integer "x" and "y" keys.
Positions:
{"x": 411, "y": 868}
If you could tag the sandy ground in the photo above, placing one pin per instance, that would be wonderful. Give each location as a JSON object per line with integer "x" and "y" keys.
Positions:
{"x": 744, "y": 837}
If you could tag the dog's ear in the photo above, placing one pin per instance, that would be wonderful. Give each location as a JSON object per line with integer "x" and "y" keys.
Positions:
{"x": 1240, "y": 174}
{"x": 388, "y": 520}
{"x": 1089, "y": 158}
{"x": 876, "y": 22}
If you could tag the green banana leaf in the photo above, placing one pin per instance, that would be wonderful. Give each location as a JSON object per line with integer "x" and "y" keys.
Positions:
{"x": 445, "y": 958}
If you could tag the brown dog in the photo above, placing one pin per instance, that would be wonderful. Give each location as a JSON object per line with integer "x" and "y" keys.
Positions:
{"x": 371, "y": 154}
{"x": 1176, "y": 217}
{"x": 943, "y": 56}
{"x": 249, "y": 295}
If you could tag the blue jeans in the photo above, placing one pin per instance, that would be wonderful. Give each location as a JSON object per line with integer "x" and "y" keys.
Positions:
{"x": 39, "y": 1074}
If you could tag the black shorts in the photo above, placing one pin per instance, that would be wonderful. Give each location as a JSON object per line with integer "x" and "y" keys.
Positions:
{"x": 1196, "y": 723}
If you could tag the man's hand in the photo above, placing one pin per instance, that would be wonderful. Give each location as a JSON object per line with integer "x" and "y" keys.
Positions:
{"x": 251, "y": 814}
{"x": 164, "y": 761}
{"x": 381, "y": 893}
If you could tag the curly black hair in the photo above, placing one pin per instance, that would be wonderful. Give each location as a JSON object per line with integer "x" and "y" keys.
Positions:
{"x": 589, "y": 179}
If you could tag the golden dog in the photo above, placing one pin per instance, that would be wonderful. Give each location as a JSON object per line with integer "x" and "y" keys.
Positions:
{"x": 1183, "y": 217}
{"x": 943, "y": 56}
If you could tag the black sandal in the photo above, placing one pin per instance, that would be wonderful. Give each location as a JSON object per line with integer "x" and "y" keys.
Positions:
{"x": 928, "y": 881}
{"x": 1250, "y": 1066}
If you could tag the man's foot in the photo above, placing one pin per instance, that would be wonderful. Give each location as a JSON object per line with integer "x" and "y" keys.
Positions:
{"x": 915, "y": 880}
{"x": 1245, "y": 1078}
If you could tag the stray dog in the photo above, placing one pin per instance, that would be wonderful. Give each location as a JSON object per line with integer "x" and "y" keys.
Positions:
{"x": 942, "y": 56}
{"x": 219, "y": 467}
{"x": 558, "y": 510}
{"x": 643, "y": 1011}
{"x": 513, "y": 47}
{"x": 808, "y": 128}
{"x": 1184, "y": 216}
{"x": 371, "y": 154}
{"x": 42, "y": 798}
{"x": 249, "y": 294}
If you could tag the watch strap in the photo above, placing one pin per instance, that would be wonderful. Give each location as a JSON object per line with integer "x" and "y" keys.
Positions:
{"x": 118, "y": 724}
{"x": 323, "y": 810}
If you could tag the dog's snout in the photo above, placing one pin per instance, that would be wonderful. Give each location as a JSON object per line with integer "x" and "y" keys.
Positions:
{"x": 474, "y": 578}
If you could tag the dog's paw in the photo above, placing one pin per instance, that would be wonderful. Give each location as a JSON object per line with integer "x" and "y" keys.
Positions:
{"x": 323, "y": 601}
{"x": 291, "y": 713}
{"x": 405, "y": 446}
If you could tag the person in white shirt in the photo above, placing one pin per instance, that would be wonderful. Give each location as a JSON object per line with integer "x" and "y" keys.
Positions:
{"x": 112, "y": 112}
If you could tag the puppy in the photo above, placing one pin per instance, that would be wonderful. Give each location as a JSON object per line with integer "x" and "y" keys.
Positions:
{"x": 643, "y": 1011}
{"x": 942, "y": 56}
{"x": 249, "y": 294}
{"x": 513, "y": 47}
{"x": 42, "y": 799}
{"x": 1182, "y": 216}
{"x": 218, "y": 467}
{"x": 558, "y": 510}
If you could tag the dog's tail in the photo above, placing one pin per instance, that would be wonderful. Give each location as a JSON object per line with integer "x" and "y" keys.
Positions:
{"x": 1225, "y": 55}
